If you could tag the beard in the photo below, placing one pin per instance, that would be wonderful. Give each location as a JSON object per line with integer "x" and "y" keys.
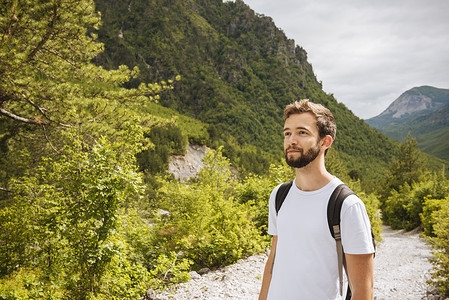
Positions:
{"x": 305, "y": 158}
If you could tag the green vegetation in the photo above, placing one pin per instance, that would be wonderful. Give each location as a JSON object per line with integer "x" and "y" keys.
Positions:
{"x": 87, "y": 210}
{"x": 238, "y": 72}
{"x": 413, "y": 197}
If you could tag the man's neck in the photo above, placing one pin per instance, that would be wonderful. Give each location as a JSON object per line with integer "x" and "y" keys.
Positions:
{"x": 312, "y": 178}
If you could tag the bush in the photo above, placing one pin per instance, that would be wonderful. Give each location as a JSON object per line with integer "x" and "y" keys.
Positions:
{"x": 403, "y": 208}
{"x": 167, "y": 139}
{"x": 26, "y": 284}
{"x": 430, "y": 207}
{"x": 203, "y": 221}
{"x": 372, "y": 205}
{"x": 255, "y": 191}
{"x": 395, "y": 212}
{"x": 440, "y": 244}
{"x": 62, "y": 219}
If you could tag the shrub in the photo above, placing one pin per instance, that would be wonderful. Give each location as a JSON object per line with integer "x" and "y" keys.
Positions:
{"x": 395, "y": 211}
{"x": 372, "y": 205}
{"x": 63, "y": 217}
{"x": 403, "y": 208}
{"x": 255, "y": 191}
{"x": 430, "y": 207}
{"x": 204, "y": 221}
{"x": 26, "y": 284}
{"x": 440, "y": 244}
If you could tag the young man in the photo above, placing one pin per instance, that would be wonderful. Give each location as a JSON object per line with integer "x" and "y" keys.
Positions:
{"x": 303, "y": 260}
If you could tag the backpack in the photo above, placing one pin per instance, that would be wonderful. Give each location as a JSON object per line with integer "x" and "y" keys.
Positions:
{"x": 334, "y": 205}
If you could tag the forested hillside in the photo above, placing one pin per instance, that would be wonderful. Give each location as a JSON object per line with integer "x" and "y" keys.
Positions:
{"x": 238, "y": 72}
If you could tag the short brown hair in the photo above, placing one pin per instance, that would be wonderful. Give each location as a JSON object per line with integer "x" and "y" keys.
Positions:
{"x": 325, "y": 121}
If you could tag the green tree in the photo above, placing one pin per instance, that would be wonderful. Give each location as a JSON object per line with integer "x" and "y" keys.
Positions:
{"x": 45, "y": 62}
{"x": 408, "y": 168}
{"x": 68, "y": 140}
{"x": 49, "y": 83}
{"x": 63, "y": 218}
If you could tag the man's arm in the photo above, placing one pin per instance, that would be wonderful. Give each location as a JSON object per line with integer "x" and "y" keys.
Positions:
{"x": 267, "y": 272}
{"x": 360, "y": 269}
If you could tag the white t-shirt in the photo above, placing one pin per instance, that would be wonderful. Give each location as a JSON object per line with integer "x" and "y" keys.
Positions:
{"x": 305, "y": 265}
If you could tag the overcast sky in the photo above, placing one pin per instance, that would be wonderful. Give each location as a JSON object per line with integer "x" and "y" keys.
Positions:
{"x": 367, "y": 53}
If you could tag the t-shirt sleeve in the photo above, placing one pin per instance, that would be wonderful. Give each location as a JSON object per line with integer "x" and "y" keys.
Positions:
{"x": 272, "y": 216}
{"x": 355, "y": 227}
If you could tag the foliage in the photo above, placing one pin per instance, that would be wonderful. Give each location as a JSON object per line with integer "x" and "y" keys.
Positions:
{"x": 65, "y": 214}
{"x": 26, "y": 284}
{"x": 165, "y": 267}
{"x": 168, "y": 269}
{"x": 194, "y": 130}
{"x": 255, "y": 191}
{"x": 406, "y": 208}
{"x": 46, "y": 64}
{"x": 204, "y": 220}
{"x": 440, "y": 244}
{"x": 69, "y": 137}
{"x": 408, "y": 168}
{"x": 238, "y": 72}
{"x": 398, "y": 209}
{"x": 430, "y": 207}
{"x": 167, "y": 140}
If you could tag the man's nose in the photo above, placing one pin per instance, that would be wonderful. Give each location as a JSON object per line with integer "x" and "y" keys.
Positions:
{"x": 292, "y": 140}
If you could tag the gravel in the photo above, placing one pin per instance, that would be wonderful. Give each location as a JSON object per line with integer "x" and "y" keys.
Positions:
{"x": 401, "y": 270}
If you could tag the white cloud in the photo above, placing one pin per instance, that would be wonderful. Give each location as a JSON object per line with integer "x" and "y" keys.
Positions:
{"x": 367, "y": 53}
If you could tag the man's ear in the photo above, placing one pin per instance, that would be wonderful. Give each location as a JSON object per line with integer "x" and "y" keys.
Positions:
{"x": 327, "y": 141}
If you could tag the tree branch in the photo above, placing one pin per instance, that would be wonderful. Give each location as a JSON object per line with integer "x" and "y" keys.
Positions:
{"x": 20, "y": 119}
{"x": 6, "y": 190}
{"x": 48, "y": 140}
{"x": 40, "y": 109}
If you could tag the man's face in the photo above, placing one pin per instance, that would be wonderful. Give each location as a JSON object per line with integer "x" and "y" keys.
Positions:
{"x": 301, "y": 140}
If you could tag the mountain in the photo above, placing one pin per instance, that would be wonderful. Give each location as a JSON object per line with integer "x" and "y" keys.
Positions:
{"x": 411, "y": 104}
{"x": 424, "y": 113}
{"x": 238, "y": 72}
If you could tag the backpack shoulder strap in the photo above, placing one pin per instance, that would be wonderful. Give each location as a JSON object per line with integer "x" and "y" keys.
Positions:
{"x": 339, "y": 195}
{"x": 281, "y": 194}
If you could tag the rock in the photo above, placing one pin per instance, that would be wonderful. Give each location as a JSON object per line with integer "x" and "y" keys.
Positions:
{"x": 150, "y": 295}
{"x": 186, "y": 166}
{"x": 203, "y": 271}
{"x": 434, "y": 294}
{"x": 194, "y": 275}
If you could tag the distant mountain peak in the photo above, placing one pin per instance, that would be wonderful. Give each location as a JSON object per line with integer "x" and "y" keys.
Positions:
{"x": 409, "y": 103}
{"x": 422, "y": 112}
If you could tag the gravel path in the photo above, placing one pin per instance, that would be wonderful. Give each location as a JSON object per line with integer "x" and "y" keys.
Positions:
{"x": 401, "y": 271}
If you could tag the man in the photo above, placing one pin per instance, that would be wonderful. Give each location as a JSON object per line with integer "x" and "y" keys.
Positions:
{"x": 303, "y": 260}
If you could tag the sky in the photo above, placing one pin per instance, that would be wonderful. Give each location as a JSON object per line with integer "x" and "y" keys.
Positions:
{"x": 367, "y": 53}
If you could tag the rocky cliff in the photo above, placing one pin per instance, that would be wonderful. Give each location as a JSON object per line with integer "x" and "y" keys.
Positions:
{"x": 186, "y": 166}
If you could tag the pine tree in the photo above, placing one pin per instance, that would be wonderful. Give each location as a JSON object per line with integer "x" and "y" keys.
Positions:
{"x": 409, "y": 167}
